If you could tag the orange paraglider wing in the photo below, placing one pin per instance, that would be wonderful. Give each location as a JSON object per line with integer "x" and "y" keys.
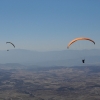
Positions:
{"x": 80, "y": 38}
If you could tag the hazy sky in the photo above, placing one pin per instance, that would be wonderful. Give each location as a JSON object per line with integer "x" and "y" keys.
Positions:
{"x": 46, "y": 25}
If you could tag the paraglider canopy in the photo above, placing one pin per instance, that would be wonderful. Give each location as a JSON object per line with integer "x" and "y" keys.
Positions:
{"x": 80, "y": 38}
{"x": 11, "y": 43}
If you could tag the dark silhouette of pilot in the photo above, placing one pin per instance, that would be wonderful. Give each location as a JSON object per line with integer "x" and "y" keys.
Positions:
{"x": 83, "y": 60}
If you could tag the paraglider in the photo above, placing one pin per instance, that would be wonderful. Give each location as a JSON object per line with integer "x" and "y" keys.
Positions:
{"x": 77, "y": 39}
{"x": 11, "y": 44}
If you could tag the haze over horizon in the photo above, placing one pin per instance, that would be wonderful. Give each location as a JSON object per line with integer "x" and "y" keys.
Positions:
{"x": 51, "y": 58}
{"x": 49, "y": 25}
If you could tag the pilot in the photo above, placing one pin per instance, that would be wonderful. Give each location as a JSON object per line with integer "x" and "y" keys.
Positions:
{"x": 83, "y": 60}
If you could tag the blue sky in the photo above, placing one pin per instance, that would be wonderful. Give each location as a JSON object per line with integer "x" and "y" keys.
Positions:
{"x": 46, "y": 25}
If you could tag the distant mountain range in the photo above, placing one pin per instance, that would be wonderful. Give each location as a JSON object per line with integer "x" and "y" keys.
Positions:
{"x": 50, "y": 58}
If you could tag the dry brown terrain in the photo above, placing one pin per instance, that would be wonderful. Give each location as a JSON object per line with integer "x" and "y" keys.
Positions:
{"x": 62, "y": 83}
